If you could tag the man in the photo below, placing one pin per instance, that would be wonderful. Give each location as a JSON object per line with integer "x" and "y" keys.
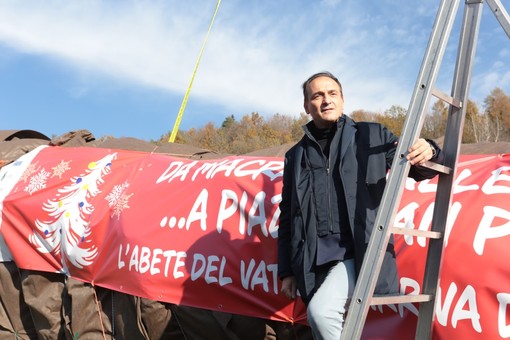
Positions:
{"x": 333, "y": 182}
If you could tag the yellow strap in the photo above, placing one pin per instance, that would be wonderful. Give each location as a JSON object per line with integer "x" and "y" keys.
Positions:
{"x": 185, "y": 100}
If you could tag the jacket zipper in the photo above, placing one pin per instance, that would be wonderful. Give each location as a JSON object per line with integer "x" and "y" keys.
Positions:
{"x": 328, "y": 187}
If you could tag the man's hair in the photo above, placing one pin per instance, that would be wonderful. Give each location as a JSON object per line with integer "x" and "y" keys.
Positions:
{"x": 317, "y": 75}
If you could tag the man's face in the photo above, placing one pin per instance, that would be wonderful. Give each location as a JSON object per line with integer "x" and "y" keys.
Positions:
{"x": 324, "y": 101}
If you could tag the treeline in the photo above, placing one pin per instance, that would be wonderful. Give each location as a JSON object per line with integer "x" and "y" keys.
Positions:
{"x": 491, "y": 123}
{"x": 251, "y": 132}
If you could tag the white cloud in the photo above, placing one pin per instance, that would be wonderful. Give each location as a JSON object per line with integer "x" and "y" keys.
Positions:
{"x": 257, "y": 55}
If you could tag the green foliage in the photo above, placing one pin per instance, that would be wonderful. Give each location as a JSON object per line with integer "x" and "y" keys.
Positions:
{"x": 434, "y": 124}
{"x": 471, "y": 126}
{"x": 254, "y": 131}
{"x": 251, "y": 132}
{"x": 497, "y": 107}
{"x": 394, "y": 118}
{"x": 363, "y": 116}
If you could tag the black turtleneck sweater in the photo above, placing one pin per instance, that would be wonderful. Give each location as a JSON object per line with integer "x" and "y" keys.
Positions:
{"x": 335, "y": 242}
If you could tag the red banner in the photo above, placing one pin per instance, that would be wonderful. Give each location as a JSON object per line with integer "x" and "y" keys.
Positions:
{"x": 203, "y": 233}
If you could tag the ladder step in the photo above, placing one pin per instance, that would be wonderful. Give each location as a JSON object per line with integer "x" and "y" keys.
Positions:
{"x": 396, "y": 299}
{"x": 438, "y": 167}
{"x": 446, "y": 98}
{"x": 416, "y": 232}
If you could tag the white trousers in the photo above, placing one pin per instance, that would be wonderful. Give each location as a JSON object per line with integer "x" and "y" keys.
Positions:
{"x": 327, "y": 308}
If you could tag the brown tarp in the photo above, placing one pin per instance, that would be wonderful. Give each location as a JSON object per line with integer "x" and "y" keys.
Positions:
{"x": 8, "y": 135}
{"x": 15, "y": 317}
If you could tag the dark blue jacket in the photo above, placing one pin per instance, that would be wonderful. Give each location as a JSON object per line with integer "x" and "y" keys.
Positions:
{"x": 366, "y": 152}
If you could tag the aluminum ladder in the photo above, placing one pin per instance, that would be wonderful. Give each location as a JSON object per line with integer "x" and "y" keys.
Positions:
{"x": 363, "y": 296}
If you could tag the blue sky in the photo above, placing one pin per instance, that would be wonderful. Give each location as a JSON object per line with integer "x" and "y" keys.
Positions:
{"x": 121, "y": 68}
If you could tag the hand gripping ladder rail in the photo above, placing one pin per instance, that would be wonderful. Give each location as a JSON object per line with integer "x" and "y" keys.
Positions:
{"x": 363, "y": 296}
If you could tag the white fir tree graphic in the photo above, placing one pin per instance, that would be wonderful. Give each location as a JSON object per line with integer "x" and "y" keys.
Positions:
{"x": 68, "y": 226}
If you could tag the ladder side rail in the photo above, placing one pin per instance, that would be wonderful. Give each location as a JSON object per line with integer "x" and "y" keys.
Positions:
{"x": 451, "y": 149}
{"x": 427, "y": 76}
{"x": 370, "y": 269}
{"x": 501, "y": 14}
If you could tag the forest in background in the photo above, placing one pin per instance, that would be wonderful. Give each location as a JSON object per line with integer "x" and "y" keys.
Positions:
{"x": 490, "y": 123}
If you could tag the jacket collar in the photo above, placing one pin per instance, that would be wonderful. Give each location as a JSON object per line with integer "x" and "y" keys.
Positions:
{"x": 349, "y": 130}
{"x": 347, "y": 135}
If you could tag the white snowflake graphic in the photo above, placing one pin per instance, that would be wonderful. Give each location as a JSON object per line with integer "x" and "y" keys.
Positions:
{"x": 116, "y": 192}
{"x": 121, "y": 204}
{"x": 60, "y": 169}
{"x": 29, "y": 171}
{"x": 37, "y": 182}
{"x": 118, "y": 199}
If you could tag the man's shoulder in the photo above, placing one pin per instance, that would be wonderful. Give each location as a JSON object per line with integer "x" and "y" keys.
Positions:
{"x": 362, "y": 124}
{"x": 293, "y": 148}
{"x": 369, "y": 124}
{"x": 369, "y": 127}
{"x": 375, "y": 132}
{"x": 291, "y": 152}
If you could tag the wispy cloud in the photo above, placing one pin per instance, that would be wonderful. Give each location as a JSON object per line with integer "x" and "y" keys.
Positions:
{"x": 256, "y": 57}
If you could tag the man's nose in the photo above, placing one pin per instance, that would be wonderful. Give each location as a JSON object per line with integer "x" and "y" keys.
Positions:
{"x": 326, "y": 99}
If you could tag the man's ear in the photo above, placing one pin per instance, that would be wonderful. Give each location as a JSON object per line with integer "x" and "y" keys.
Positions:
{"x": 305, "y": 107}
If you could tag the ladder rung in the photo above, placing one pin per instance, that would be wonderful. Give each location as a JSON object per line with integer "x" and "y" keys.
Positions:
{"x": 438, "y": 167}
{"x": 396, "y": 299}
{"x": 416, "y": 232}
{"x": 446, "y": 98}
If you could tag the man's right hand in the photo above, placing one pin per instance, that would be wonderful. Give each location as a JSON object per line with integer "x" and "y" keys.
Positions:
{"x": 289, "y": 287}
